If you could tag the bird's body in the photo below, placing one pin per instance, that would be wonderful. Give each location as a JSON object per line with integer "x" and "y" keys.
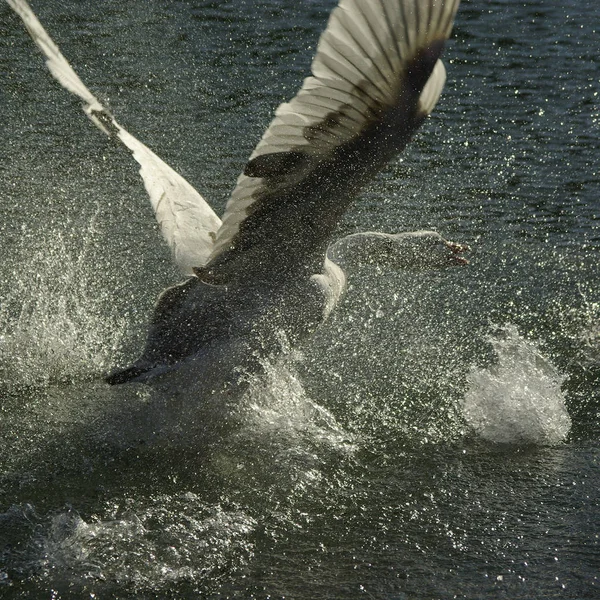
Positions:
{"x": 194, "y": 317}
{"x": 266, "y": 274}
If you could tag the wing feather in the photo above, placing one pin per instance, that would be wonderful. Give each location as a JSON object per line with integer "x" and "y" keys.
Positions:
{"x": 433, "y": 89}
{"x": 187, "y": 222}
{"x": 371, "y": 60}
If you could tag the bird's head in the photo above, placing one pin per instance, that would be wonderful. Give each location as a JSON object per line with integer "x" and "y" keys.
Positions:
{"x": 421, "y": 250}
{"x": 415, "y": 250}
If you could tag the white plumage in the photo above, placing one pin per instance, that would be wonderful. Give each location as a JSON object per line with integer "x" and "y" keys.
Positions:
{"x": 358, "y": 75}
{"x": 375, "y": 77}
{"x": 187, "y": 223}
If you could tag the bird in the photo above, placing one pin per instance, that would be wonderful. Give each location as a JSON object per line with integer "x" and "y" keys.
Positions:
{"x": 268, "y": 270}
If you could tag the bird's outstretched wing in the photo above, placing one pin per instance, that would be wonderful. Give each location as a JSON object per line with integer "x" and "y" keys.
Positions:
{"x": 187, "y": 222}
{"x": 375, "y": 77}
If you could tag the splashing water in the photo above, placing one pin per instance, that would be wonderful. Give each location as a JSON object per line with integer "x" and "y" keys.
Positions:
{"x": 167, "y": 538}
{"x": 277, "y": 404}
{"x": 288, "y": 431}
{"x": 56, "y": 323}
{"x": 589, "y": 335}
{"x": 518, "y": 400}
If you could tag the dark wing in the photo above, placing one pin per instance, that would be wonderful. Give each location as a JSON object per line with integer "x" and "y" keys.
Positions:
{"x": 375, "y": 77}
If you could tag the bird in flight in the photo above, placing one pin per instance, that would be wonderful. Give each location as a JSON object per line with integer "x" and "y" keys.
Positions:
{"x": 267, "y": 268}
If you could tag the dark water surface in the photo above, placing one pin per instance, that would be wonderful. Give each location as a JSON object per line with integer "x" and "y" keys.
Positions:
{"x": 438, "y": 438}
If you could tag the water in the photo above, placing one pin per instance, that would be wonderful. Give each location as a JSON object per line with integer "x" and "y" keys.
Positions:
{"x": 438, "y": 438}
{"x": 519, "y": 399}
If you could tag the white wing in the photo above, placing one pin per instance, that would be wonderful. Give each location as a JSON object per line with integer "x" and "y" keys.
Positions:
{"x": 187, "y": 222}
{"x": 376, "y": 76}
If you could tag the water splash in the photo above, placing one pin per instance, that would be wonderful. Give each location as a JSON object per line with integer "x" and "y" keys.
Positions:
{"x": 276, "y": 404}
{"x": 56, "y": 321}
{"x": 286, "y": 440}
{"x": 150, "y": 544}
{"x": 589, "y": 333}
{"x": 518, "y": 400}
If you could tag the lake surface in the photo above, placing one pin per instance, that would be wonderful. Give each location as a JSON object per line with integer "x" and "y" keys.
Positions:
{"x": 438, "y": 437}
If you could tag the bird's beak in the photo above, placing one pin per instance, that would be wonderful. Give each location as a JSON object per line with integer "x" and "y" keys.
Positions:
{"x": 457, "y": 258}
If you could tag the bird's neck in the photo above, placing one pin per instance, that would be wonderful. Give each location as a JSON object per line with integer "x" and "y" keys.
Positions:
{"x": 398, "y": 251}
{"x": 357, "y": 249}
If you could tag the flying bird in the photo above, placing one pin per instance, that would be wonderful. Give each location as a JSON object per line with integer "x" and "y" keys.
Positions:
{"x": 267, "y": 269}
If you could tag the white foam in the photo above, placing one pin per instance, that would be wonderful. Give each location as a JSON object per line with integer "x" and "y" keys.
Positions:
{"x": 518, "y": 400}
{"x": 276, "y": 404}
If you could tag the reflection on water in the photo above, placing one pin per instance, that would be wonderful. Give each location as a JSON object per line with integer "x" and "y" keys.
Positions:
{"x": 360, "y": 466}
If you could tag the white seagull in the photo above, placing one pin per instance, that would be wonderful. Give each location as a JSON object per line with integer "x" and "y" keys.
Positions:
{"x": 266, "y": 268}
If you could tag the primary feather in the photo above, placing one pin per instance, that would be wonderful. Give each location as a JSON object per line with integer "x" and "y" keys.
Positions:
{"x": 187, "y": 222}
{"x": 375, "y": 76}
